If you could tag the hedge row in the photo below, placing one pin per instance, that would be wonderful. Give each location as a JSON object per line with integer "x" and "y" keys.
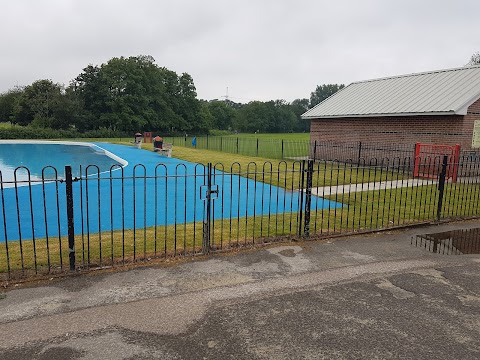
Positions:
{"x": 19, "y": 132}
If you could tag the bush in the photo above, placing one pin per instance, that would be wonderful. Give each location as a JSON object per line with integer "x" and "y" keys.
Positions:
{"x": 216, "y": 132}
{"x": 27, "y": 132}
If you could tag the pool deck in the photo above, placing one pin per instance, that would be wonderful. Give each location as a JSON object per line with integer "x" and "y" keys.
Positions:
{"x": 158, "y": 183}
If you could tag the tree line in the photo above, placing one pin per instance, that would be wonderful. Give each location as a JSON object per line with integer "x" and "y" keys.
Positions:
{"x": 129, "y": 94}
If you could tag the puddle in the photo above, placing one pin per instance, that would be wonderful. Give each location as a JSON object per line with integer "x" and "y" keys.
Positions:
{"x": 455, "y": 242}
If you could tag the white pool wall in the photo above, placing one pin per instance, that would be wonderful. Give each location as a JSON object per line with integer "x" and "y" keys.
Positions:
{"x": 112, "y": 156}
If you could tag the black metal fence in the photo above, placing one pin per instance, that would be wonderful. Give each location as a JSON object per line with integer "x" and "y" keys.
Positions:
{"x": 296, "y": 149}
{"x": 267, "y": 148}
{"x": 342, "y": 151}
{"x": 52, "y": 223}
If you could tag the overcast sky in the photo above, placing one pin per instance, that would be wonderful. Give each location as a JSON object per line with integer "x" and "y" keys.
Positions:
{"x": 259, "y": 49}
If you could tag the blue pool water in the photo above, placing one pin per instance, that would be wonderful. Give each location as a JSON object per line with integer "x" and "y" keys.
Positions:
{"x": 102, "y": 204}
{"x": 36, "y": 156}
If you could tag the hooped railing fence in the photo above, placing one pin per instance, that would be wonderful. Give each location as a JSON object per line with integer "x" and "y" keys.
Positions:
{"x": 51, "y": 223}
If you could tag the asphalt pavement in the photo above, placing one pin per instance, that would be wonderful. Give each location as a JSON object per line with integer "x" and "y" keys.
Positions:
{"x": 360, "y": 297}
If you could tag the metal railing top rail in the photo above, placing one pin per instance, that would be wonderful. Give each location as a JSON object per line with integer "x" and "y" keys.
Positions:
{"x": 236, "y": 168}
{"x": 252, "y": 168}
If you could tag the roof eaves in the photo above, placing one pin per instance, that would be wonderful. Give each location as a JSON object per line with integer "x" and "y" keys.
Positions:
{"x": 451, "y": 112}
{"x": 462, "y": 110}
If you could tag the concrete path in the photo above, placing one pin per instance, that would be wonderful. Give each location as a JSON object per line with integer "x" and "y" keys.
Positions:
{"x": 370, "y": 297}
{"x": 381, "y": 185}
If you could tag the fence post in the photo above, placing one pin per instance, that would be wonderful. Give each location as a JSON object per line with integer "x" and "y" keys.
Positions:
{"x": 257, "y": 146}
{"x": 206, "y": 223}
{"x": 315, "y": 150}
{"x": 207, "y": 141}
{"x": 71, "y": 227}
{"x": 441, "y": 186}
{"x": 308, "y": 198}
{"x": 456, "y": 161}
{"x": 237, "y": 145}
{"x": 300, "y": 207}
{"x": 359, "y": 151}
{"x": 282, "y": 150}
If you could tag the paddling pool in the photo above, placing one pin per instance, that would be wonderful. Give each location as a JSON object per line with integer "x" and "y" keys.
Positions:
{"x": 144, "y": 190}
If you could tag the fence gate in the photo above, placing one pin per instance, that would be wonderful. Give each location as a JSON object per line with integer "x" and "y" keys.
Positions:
{"x": 429, "y": 157}
{"x": 208, "y": 193}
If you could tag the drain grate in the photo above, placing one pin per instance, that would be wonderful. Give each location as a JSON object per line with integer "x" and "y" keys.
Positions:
{"x": 455, "y": 242}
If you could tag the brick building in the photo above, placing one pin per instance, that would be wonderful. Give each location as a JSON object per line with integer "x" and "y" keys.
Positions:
{"x": 436, "y": 107}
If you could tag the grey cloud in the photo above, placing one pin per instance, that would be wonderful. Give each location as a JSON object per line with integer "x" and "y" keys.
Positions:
{"x": 259, "y": 49}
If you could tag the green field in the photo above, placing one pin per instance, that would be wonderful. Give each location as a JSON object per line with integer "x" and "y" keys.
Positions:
{"x": 288, "y": 136}
{"x": 272, "y": 146}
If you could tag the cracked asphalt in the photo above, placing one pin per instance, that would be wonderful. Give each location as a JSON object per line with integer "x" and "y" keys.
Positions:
{"x": 363, "y": 297}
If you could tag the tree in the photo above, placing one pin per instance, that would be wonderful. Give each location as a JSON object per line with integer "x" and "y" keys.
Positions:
{"x": 189, "y": 106}
{"x": 90, "y": 92}
{"x": 134, "y": 94}
{"x": 474, "y": 59}
{"x": 205, "y": 119}
{"x": 271, "y": 116}
{"x": 322, "y": 92}
{"x": 300, "y": 106}
{"x": 38, "y": 105}
{"x": 7, "y": 103}
{"x": 222, "y": 113}
{"x": 252, "y": 117}
{"x": 284, "y": 118}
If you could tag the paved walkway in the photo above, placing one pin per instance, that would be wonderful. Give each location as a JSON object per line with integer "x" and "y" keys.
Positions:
{"x": 363, "y": 297}
{"x": 381, "y": 185}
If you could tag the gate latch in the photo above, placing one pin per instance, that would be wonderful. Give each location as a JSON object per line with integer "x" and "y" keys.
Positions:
{"x": 204, "y": 192}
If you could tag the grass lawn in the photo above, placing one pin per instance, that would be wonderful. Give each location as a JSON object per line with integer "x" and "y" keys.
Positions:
{"x": 284, "y": 174}
{"x": 272, "y": 146}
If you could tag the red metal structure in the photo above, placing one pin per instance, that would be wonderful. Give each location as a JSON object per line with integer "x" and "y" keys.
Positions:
{"x": 429, "y": 157}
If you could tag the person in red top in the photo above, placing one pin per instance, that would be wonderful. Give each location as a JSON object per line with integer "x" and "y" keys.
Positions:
{"x": 157, "y": 143}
